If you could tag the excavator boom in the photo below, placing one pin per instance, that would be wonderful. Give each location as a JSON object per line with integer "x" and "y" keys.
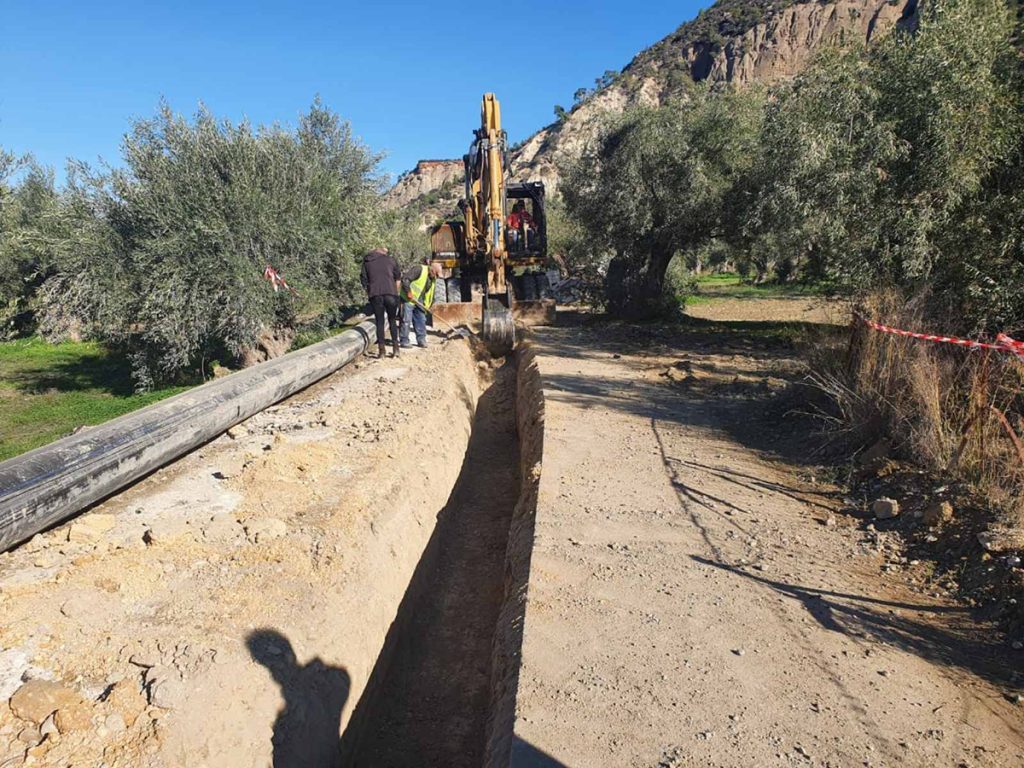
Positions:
{"x": 498, "y": 326}
{"x": 491, "y": 250}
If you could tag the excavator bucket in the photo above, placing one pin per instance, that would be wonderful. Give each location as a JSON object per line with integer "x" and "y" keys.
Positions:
{"x": 499, "y": 330}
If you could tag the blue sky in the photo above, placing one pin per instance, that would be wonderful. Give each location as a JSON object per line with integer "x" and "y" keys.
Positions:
{"x": 408, "y": 76}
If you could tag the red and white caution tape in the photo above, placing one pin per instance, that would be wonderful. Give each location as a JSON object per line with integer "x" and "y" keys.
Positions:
{"x": 277, "y": 281}
{"x": 1003, "y": 343}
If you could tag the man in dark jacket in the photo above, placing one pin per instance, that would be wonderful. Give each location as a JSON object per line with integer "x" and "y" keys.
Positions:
{"x": 382, "y": 279}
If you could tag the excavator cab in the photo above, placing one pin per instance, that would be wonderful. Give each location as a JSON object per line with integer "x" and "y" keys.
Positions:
{"x": 526, "y": 230}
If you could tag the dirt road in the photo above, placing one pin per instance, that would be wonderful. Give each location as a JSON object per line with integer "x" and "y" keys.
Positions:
{"x": 696, "y": 597}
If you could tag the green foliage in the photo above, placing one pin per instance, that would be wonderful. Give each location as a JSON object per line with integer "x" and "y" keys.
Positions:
{"x": 560, "y": 113}
{"x": 166, "y": 254}
{"x": 656, "y": 183}
{"x": 903, "y": 167}
{"x": 28, "y": 209}
{"x": 609, "y": 77}
{"x": 813, "y": 195}
{"x": 566, "y": 236}
{"x": 898, "y": 166}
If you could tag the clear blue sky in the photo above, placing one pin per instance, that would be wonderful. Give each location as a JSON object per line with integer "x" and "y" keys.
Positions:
{"x": 407, "y": 75}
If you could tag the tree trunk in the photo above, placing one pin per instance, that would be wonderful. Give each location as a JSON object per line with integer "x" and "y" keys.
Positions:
{"x": 635, "y": 291}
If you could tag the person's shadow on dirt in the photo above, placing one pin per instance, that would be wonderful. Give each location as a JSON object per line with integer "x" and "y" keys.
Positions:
{"x": 306, "y": 729}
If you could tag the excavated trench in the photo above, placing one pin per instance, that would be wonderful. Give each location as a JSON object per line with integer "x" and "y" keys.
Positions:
{"x": 366, "y": 633}
{"x": 439, "y": 693}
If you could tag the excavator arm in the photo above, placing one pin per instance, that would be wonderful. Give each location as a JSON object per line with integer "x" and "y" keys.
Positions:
{"x": 489, "y": 259}
{"x": 485, "y": 220}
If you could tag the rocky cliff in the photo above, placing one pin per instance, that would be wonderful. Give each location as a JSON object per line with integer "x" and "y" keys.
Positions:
{"x": 428, "y": 176}
{"x": 734, "y": 41}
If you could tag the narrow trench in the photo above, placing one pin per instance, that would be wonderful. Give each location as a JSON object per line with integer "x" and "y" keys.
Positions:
{"x": 428, "y": 698}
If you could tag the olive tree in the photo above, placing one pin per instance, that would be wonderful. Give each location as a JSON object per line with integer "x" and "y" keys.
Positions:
{"x": 29, "y": 210}
{"x": 659, "y": 181}
{"x": 166, "y": 253}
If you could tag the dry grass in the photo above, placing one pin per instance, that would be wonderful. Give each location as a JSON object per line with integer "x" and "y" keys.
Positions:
{"x": 947, "y": 408}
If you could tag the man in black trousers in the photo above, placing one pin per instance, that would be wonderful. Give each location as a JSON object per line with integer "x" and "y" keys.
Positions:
{"x": 382, "y": 279}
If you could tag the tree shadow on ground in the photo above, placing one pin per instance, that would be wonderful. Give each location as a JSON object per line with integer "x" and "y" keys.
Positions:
{"x": 107, "y": 371}
{"x": 753, "y": 416}
{"x": 306, "y": 732}
{"x": 954, "y": 641}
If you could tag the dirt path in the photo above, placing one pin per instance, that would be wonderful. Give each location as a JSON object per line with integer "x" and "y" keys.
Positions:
{"x": 431, "y": 703}
{"x": 697, "y": 600}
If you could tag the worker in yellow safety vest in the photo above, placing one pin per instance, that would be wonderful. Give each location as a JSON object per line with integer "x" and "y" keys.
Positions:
{"x": 418, "y": 286}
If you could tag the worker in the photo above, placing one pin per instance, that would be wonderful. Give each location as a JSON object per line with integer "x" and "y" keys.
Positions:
{"x": 382, "y": 279}
{"x": 418, "y": 285}
{"x": 520, "y": 223}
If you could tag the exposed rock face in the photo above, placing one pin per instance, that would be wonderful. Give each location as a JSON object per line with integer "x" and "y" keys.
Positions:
{"x": 782, "y": 45}
{"x": 427, "y": 176}
{"x": 780, "y": 42}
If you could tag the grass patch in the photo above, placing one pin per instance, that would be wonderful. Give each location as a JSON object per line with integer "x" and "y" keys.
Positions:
{"x": 729, "y": 285}
{"x": 48, "y": 390}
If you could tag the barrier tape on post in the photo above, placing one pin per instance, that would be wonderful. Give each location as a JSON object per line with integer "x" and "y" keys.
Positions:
{"x": 1003, "y": 343}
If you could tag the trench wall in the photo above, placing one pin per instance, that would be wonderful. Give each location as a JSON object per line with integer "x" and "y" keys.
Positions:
{"x": 508, "y": 639}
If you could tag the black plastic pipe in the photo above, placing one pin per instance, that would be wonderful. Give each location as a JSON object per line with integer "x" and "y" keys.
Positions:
{"x": 50, "y": 484}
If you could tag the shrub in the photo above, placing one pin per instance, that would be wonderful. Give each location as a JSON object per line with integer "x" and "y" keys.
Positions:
{"x": 167, "y": 254}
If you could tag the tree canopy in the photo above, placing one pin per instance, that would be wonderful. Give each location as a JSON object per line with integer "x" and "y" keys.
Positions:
{"x": 165, "y": 253}
{"x": 897, "y": 165}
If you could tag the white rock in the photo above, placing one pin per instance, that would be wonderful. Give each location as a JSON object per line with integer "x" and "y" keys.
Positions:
{"x": 885, "y": 508}
{"x": 115, "y": 723}
{"x": 90, "y": 527}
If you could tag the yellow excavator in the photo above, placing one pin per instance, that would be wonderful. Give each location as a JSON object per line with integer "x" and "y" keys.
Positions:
{"x": 498, "y": 253}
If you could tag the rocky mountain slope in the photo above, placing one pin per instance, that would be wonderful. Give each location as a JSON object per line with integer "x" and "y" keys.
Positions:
{"x": 734, "y": 41}
{"x": 428, "y": 176}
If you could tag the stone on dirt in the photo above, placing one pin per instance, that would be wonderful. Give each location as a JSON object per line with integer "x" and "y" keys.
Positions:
{"x": 165, "y": 687}
{"x": 36, "y": 700}
{"x": 938, "y": 513}
{"x": 989, "y": 540}
{"x": 265, "y": 529}
{"x": 76, "y": 717}
{"x": 90, "y": 528}
{"x": 880, "y": 450}
{"x": 885, "y": 508}
{"x": 49, "y": 728}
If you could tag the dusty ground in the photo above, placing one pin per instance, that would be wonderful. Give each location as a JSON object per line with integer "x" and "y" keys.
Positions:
{"x": 228, "y": 610}
{"x": 696, "y": 597}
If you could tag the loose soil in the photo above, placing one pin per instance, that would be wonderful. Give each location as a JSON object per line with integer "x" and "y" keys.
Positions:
{"x": 230, "y": 609}
{"x": 698, "y": 596}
